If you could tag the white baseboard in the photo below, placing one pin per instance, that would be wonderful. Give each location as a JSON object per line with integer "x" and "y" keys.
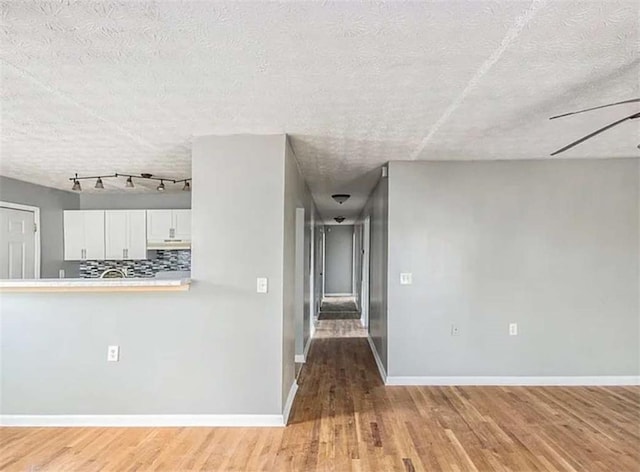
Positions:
{"x": 515, "y": 381}
{"x": 302, "y": 358}
{"x": 287, "y": 406}
{"x": 142, "y": 420}
{"x": 383, "y": 373}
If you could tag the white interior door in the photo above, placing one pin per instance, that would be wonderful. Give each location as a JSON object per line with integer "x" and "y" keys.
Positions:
{"x": 18, "y": 244}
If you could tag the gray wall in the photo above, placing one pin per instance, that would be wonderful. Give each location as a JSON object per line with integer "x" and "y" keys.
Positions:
{"x": 51, "y": 203}
{"x": 377, "y": 209}
{"x": 296, "y": 296}
{"x": 552, "y": 245}
{"x": 217, "y": 349}
{"x": 339, "y": 259}
{"x": 135, "y": 201}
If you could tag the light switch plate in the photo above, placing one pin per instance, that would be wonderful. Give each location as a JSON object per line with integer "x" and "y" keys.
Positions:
{"x": 262, "y": 285}
{"x": 513, "y": 329}
{"x": 406, "y": 278}
{"x": 113, "y": 353}
{"x": 455, "y": 330}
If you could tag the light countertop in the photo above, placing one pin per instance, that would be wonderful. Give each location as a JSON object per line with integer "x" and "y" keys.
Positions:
{"x": 94, "y": 285}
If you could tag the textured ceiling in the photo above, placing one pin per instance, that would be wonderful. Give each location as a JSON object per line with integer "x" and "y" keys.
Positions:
{"x": 99, "y": 87}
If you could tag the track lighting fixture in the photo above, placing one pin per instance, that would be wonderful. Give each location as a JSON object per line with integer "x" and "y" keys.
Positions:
{"x": 129, "y": 182}
{"x": 341, "y": 197}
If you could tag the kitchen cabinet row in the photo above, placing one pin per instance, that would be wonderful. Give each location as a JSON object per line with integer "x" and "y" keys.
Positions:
{"x": 123, "y": 234}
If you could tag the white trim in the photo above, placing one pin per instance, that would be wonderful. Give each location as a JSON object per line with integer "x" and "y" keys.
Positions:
{"x": 383, "y": 373}
{"x": 290, "y": 399}
{"x": 329, "y": 295}
{"x": 302, "y": 358}
{"x": 36, "y": 219}
{"x": 142, "y": 420}
{"x": 514, "y": 381}
{"x": 307, "y": 347}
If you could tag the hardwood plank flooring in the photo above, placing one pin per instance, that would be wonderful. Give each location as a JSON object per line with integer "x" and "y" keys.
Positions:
{"x": 345, "y": 419}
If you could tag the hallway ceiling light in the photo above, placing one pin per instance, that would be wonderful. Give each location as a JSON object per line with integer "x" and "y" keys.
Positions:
{"x": 340, "y": 197}
{"x": 339, "y": 219}
{"x": 99, "y": 183}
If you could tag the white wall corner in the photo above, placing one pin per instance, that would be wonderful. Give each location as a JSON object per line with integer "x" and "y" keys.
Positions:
{"x": 604, "y": 380}
{"x": 142, "y": 420}
{"x": 383, "y": 373}
{"x": 307, "y": 347}
{"x": 302, "y": 358}
{"x": 290, "y": 399}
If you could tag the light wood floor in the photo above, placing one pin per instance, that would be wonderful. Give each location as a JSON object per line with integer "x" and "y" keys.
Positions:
{"x": 345, "y": 419}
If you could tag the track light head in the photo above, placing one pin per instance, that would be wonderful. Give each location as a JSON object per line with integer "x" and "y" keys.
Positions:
{"x": 187, "y": 186}
{"x": 76, "y": 186}
{"x": 129, "y": 183}
{"x": 99, "y": 183}
{"x": 160, "y": 187}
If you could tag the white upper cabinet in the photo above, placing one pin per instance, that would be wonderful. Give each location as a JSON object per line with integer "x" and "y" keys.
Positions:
{"x": 84, "y": 235}
{"x": 125, "y": 234}
{"x": 168, "y": 228}
{"x": 159, "y": 224}
{"x": 182, "y": 224}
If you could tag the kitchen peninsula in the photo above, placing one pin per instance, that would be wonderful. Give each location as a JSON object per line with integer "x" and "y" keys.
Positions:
{"x": 95, "y": 285}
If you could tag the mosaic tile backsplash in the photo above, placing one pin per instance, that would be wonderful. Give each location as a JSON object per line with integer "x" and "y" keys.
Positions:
{"x": 146, "y": 268}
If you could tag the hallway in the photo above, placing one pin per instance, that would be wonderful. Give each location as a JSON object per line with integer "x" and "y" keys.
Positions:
{"x": 344, "y": 419}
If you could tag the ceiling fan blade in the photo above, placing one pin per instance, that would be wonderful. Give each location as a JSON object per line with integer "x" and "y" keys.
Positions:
{"x": 581, "y": 140}
{"x": 633, "y": 100}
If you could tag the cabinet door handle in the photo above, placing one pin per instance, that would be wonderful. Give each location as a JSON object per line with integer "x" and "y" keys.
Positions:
{"x": 83, "y": 254}
{"x": 126, "y": 254}
{"x": 172, "y": 233}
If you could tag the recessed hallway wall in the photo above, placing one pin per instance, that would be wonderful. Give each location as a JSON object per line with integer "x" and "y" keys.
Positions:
{"x": 338, "y": 260}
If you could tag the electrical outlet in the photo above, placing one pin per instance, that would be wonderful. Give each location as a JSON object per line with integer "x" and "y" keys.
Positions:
{"x": 513, "y": 329}
{"x": 113, "y": 353}
{"x": 455, "y": 330}
{"x": 406, "y": 278}
{"x": 262, "y": 285}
